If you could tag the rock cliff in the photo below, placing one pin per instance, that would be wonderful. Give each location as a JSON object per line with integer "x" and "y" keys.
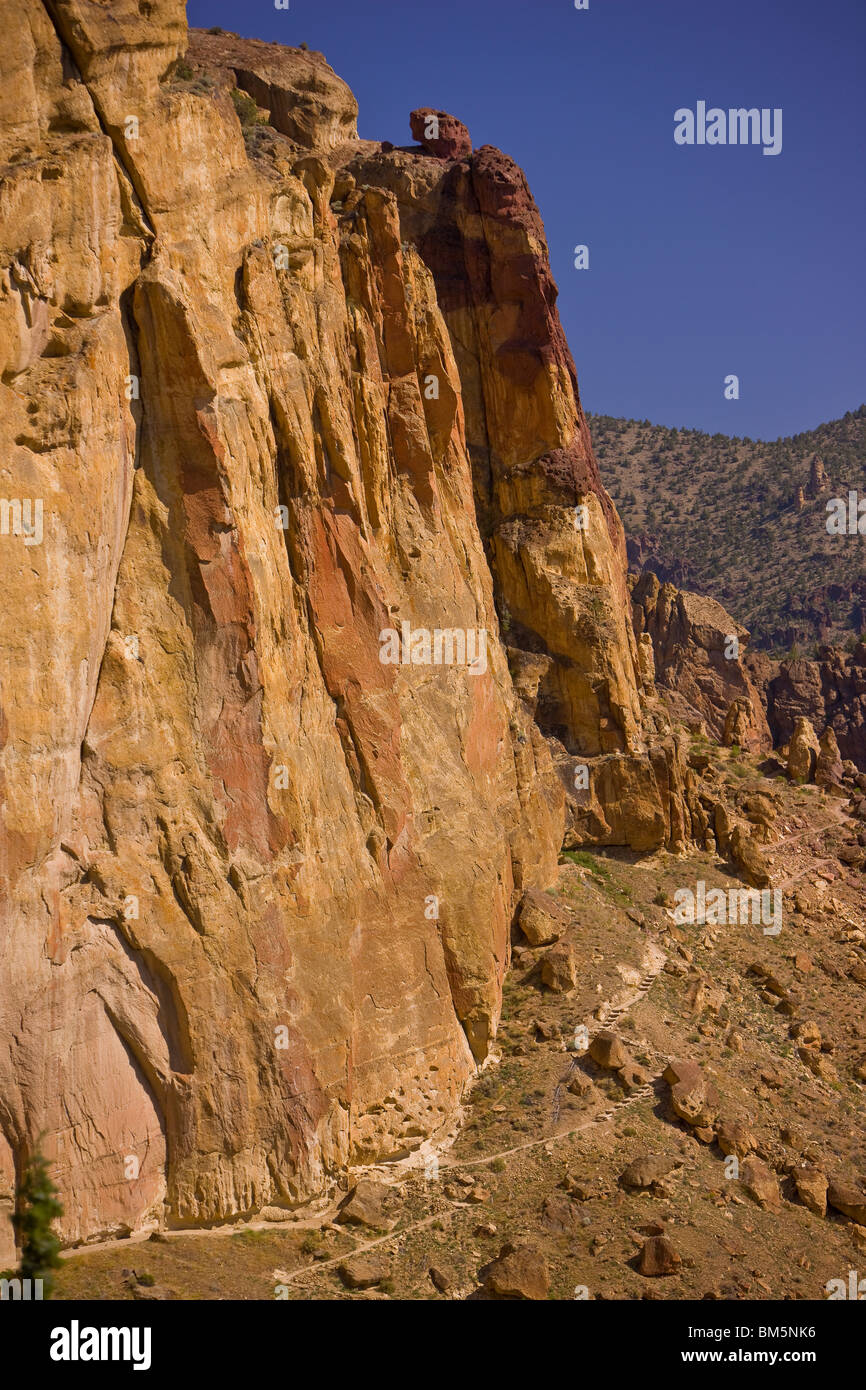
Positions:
{"x": 700, "y": 660}
{"x": 268, "y": 393}
{"x": 830, "y": 691}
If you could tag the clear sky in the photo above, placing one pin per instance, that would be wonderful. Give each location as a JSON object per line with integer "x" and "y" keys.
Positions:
{"x": 704, "y": 261}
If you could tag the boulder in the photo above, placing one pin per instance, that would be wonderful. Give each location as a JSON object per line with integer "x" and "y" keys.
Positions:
{"x": 818, "y": 1064}
{"x": 810, "y": 1186}
{"x": 365, "y": 1205}
{"x": 748, "y": 858}
{"x": 648, "y": 1169}
{"x": 608, "y": 1051}
{"x": 442, "y": 1279}
{"x": 658, "y": 1257}
{"x": 520, "y": 1272}
{"x": 365, "y": 1270}
{"x": 761, "y": 1184}
{"x": 632, "y": 1077}
{"x": 558, "y": 969}
{"x": 847, "y": 1199}
{"x": 694, "y": 1097}
{"x": 734, "y": 1137}
{"x": 541, "y": 919}
{"x": 807, "y": 1033}
{"x": 275, "y": 1214}
{"x": 581, "y": 1085}
{"x": 440, "y": 134}
{"x": 559, "y": 1214}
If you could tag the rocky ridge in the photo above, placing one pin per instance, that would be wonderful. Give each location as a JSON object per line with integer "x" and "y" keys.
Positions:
{"x": 746, "y": 521}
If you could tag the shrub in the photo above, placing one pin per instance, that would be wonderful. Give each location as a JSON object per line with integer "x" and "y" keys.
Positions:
{"x": 245, "y": 107}
{"x": 585, "y": 860}
{"x": 36, "y": 1207}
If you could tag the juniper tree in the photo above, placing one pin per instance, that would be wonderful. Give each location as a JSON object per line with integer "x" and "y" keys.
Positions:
{"x": 36, "y": 1207}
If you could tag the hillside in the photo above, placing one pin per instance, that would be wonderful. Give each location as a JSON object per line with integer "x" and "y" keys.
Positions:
{"x": 724, "y": 516}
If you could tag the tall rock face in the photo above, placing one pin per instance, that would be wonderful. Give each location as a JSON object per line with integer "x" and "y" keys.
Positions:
{"x": 555, "y": 543}
{"x": 553, "y": 540}
{"x": 276, "y": 402}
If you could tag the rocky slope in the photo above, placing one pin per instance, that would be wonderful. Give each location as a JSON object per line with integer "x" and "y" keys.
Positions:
{"x": 746, "y": 521}
{"x": 269, "y": 392}
{"x": 711, "y": 680}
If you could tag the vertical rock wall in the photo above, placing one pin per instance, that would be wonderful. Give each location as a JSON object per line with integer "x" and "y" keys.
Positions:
{"x": 257, "y": 885}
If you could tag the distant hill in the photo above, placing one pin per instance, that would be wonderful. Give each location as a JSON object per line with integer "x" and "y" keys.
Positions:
{"x": 745, "y": 521}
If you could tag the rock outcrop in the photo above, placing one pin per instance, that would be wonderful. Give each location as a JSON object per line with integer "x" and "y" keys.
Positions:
{"x": 803, "y": 752}
{"x": 741, "y": 696}
{"x": 818, "y": 480}
{"x": 276, "y": 402}
{"x": 699, "y": 651}
{"x": 830, "y": 692}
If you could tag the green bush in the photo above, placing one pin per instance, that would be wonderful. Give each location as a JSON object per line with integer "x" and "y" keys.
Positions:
{"x": 245, "y": 107}
{"x": 36, "y": 1207}
{"x": 585, "y": 860}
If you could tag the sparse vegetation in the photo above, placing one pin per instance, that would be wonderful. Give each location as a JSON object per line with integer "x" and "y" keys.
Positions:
{"x": 663, "y": 479}
{"x": 585, "y": 860}
{"x": 245, "y": 107}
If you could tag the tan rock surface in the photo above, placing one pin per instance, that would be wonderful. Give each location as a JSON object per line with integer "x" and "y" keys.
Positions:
{"x": 803, "y": 752}
{"x": 257, "y": 886}
{"x": 698, "y": 650}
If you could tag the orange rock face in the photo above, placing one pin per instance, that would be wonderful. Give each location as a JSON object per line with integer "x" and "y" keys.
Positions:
{"x": 257, "y": 881}
{"x": 699, "y": 651}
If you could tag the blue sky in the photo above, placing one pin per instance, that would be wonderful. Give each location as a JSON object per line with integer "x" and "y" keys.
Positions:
{"x": 704, "y": 261}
